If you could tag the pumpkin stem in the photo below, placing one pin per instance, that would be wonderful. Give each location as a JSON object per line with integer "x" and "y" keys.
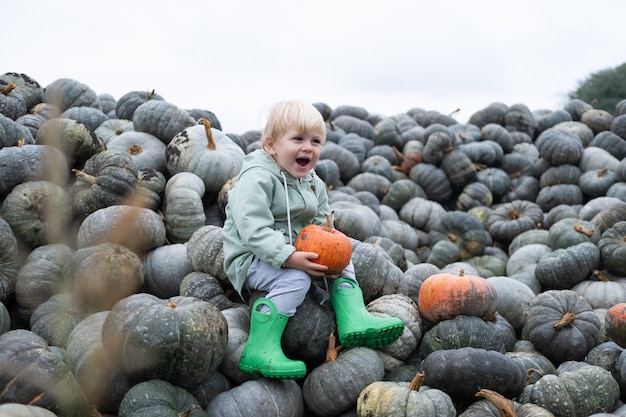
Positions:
{"x": 187, "y": 411}
{"x": 566, "y": 320}
{"x": 458, "y": 109}
{"x": 209, "y": 134}
{"x": 330, "y": 217}
{"x": 530, "y": 372}
{"x": 8, "y": 88}
{"x": 20, "y": 142}
{"x": 600, "y": 275}
{"x": 602, "y": 172}
{"x": 332, "y": 353}
{"x": 502, "y": 404}
{"x": 417, "y": 381}
{"x": 150, "y": 94}
{"x": 85, "y": 177}
{"x": 462, "y": 272}
{"x": 453, "y": 237}
{"x": 582, "y": 229}
{"x": 135, "y": 149}
{"x": 171, "y": 304}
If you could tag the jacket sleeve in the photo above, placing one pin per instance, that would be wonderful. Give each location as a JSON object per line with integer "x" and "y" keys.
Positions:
{"x": 251, "y": 201}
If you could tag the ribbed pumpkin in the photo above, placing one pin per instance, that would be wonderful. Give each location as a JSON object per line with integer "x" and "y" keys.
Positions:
{"x": 180, "y": 339}
{"x": 333, "y": 248}
{"x": 612, "y": 246}
{"x": 497, "y": 405}
{"x": 582, "y": 392}
{"x": 400, "y": 399}
{"x": 462, "y": 372}
{"x": 9, "y": 266}
{"x": 157, "y": 397}
{"x": 33, "y": 374}
{"x": 207, "y": 152}
{"x": 562, "y": 325}
{"x": 444, "y": 296}
{"x": 334, "y": 386}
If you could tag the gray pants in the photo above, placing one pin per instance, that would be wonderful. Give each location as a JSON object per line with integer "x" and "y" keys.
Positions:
{"x": 285, "y": 287}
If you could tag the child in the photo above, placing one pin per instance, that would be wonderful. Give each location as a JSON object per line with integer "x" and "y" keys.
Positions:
{"x": 276, "y": 194}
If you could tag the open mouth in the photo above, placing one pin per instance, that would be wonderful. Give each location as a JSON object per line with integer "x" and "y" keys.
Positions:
{"x": 303, "y": 161}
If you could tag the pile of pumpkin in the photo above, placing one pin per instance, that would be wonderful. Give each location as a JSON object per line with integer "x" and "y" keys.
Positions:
{"x": 500, "y": 242}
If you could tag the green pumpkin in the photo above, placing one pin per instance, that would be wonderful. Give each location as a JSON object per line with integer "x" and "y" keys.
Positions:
{"x": 462, "y": 229}
{"x": 572, "y": 231}
{"x": 164, "y": 268}
{"x": 66, "y": 92}
{"x": 138, "y": 229}
{"x": 186, "y": 342}
{"x": 402, "y": 399}
{"x": 101, "y": 275}
{"x": 496, "y": 405}
{"x": 33, "y": 374}
{"x": 353, "y": 124}
{"x": 334, "y": 386}
{"x": 112, "y": 128}
{"x": 204, "y": 286}
{"x": 156, "y": 397}
{"x": 149, "y": 189}
{"x": 562, "y": 325}
{"x": 259, "y": 397}
{"x": 510, "y": 219}
{"x": 462, "y": 331}
{"x": 345, "y": 158}
{"x": 13, "y": 133}
{"x": 459, "y": 168}
{"x": 493, "y": 113}
{"x": 127, "y": 104}
{"x": 205, "y": 251}
{"x": 39, "y": 213}
{"x": 612, "y": 244}
{"x": 563, "y": 268}
{"x": 462, "y": 372}
{"x": 369, "y": 181}
{"x": 40, "y": 277}
{"x": 161, "y": 118}
{"x": 8, "y": 261}
{"x": 55, "y": 318}
{"x": 104, "y": 385}
{"x": 108, "y": 178}
{"x": 183, "y": 209}
{"x": 588, "y": 390}
{"x": 19, "y": 164}
{"x": 90, "y": 117}
{"x": 387, "y": 132}
{"x": 433, "y": 180}
{"x": 376, "y": 273}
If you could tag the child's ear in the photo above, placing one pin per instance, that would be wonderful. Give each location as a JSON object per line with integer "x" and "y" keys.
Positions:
{"x": 269, "y": 144}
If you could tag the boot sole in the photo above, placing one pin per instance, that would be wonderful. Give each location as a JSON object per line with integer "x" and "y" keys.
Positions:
{"x": 373, "y": 338}
{"x": 272, "y": 374}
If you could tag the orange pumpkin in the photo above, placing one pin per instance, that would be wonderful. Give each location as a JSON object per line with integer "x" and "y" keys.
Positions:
{"x": 444, "y": 296}
{"x": 334, "y": 248}
{"x": 615, "y": 324}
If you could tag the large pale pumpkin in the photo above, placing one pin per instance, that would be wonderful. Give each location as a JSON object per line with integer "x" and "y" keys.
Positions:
{"x": 207, "y": 152}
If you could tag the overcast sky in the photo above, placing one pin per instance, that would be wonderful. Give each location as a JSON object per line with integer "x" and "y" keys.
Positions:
{"x": 237, "y": 58}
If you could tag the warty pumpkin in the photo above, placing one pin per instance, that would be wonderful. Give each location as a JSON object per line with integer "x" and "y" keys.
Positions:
{"x": 402, "y": 399}
{"x": 188, "y": 343}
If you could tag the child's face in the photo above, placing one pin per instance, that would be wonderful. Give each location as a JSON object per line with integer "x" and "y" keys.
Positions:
{"x": 296, "y": 152}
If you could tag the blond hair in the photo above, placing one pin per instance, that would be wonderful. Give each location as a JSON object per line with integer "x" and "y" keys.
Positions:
{"x": 293, "y": 113}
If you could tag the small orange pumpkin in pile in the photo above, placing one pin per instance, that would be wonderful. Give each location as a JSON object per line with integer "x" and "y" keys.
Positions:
{"x": 615, "y": 323}
{"x": 444, "y": 296}
{"x": 334, "y": 248}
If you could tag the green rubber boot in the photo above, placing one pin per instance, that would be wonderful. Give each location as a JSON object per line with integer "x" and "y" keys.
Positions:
{"x": 263, "y": 353}
{"x": 355, "y": 325}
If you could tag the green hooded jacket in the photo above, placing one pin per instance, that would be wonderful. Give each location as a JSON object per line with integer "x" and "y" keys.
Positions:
{"x": 257, "y": 219}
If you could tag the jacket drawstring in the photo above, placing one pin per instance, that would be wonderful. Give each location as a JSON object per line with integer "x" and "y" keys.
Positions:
{"x": 289, "y": 229}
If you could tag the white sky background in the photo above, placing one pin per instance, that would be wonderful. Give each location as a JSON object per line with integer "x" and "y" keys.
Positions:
{"x": 237, "y": 58}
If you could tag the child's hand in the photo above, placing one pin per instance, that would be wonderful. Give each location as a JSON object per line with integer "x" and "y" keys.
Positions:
{"x": 304, "y": 262}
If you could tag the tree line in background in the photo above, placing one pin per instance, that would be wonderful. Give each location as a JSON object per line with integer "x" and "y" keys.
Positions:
{"x": 603, "y": 89}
